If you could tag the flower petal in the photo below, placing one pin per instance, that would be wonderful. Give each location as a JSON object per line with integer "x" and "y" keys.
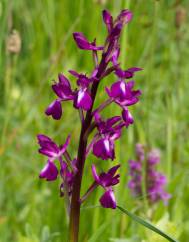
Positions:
{"x": 104, "y": 149}
{"x": 83, "y": 43}
{"x": 127, "y": 117}
{"x": 42, "y": 139}
{"x": 113, "y": 170}
{"x": 49, "y": 172}
{"x": 65, "y": 145}
{"x": 54, "y": 110}
{"x": 124, "y": 17}
{"x": 108, "y": 199}
{"x": 63, "y": 88}
{"x": 95, "y": 175}
{"x": 108, "y": 20}
{"x": 83, "y": 100}
{"x": 48, "y": 147}
{"x": 118, "y": 89}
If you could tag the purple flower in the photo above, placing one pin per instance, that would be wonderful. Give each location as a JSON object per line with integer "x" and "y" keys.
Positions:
{"x": 82, "y": 97}
{"x": 122, "y": 93}
{"x": 140, "y": 152}
{"x": 129, "y": 73}
{"x": 108, "y": 199}
{"x": 156, "y": 183}
{"x": 64, "y": 92}
{"x": 67, "y": 180}
{"x": 108, "y": 20}
{"x": 50, "y": 149}
{"x": 107, "y": 180}
{"x": 153, "y": 157}
{"x": 124, "y": 17}
{"x": 83, "y": 43}
{"x": 63, "y": 88}
{"x": 83, "y": 100}
{"x": 127, "y": 117}
{"x": 54, "y": 110}
{"x": 104, "y": 149}
{"x": 104, "y": 146}
{"x": 59, "y": 161}
{"x": 115, "y": 57}
{"x": 135, "y": 166}
{"x": 49, "y": 172}
{"x": 154, "y": 180}
{"x": 114, "y": 30}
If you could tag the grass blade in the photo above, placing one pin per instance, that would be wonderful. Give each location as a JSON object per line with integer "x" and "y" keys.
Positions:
{"x": 146, "y": 224}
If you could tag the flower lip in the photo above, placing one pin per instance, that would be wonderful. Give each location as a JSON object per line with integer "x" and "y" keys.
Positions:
{"x": 49, "y": 172}
{"x": 127, "y": 117}
{"x": 107, "y": 200}
{"x": 83, "y": 100}
{"x": 104, "y": 149}
{"x": 54, "y": 110}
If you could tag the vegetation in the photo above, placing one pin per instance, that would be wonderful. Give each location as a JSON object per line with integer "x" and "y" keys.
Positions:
{"x": 156, "y": 40}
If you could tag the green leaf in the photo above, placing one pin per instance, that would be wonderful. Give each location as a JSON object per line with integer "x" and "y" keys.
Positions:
{"x": 98, "y": 232}
{"x": 146, "y": 224}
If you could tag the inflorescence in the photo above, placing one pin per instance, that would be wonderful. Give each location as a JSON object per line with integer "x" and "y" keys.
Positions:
{"x": 102, "y": 144}
{"x": 154, "y": 181}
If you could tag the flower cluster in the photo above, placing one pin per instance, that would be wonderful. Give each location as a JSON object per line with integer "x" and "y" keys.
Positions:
{"x": 102, "y": 144}
{"x": 54, "y": 152}
{"x": 154, "y": 180}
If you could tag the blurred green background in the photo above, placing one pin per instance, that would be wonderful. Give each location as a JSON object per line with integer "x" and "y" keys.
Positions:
{"x": 35, "y": 45}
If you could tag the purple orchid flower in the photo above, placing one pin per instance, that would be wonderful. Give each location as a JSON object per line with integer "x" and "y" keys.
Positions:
{"x": 140, "y": 151}
{"x": 153, "y": 157}
{"x": 64, "y": 92}
{"x": 49, "y": 172}
{"x": 127, "y": 117}
{"x": 84, "y": 44}
{"x": 122, "y": 93}
{"x": 50, "y": 149}
{"x": 82, "y": 97}
{"x": 54, "y": 110}
{"x": 124, "y": 17}
{"x": 114, "y": 29}
{"x": 155, "y": 181}
{"x": 104, "y": 147}
{"x": 107, "y": 180}
{"x": 129, "y": 73}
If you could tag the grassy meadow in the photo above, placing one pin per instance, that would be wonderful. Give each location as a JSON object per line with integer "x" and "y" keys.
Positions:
{"x": 157, "y": 40}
